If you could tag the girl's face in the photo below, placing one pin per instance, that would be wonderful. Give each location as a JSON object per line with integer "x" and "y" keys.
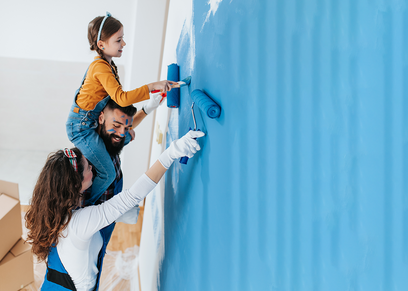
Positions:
{"x": 87, "y": 181}
{"x": 112, "y": 48}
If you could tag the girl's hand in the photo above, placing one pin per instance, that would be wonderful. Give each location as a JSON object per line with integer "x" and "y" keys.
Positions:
{"x": 163, "y": 86}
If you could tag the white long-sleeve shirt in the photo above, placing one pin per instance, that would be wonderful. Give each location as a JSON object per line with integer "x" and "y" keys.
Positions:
{"x": 79, "y": 246}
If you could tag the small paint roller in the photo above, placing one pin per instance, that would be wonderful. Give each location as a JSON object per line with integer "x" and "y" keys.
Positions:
{"x": 207, "y": 105}
{"x": 173, "y": 96}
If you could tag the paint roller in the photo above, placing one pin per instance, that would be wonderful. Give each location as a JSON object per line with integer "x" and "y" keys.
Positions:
{"x": 173, "y": 96}
{"x": 203, "y": 101}
{"x": 207, "y": 105}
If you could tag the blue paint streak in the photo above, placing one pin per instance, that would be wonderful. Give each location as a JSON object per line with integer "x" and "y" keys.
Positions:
{"x": 280, "y": 147}
{"x": 316, "y": 163}
{"x": 388, "y": 148}
{"x": 111, "y": 130}
{"x": 295, "y": 141}
{"x": 404, "y": 241}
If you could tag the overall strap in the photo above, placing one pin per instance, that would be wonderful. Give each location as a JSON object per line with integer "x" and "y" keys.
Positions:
{"x": 118, "y": 186}
{"x": 106, "y": 234}
{"x": 57, "y": 274}
{"x": 86, "y": 72}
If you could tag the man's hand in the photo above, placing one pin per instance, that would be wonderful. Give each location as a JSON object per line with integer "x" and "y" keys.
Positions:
{"x": 154, "y": 102}
{"x": 132, "y": 134}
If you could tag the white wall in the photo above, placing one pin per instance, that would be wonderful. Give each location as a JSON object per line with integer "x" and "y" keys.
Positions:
{"x": 150, "y": 20}
{"x": 44, "y": 59}
{"x": 57, "y": 30}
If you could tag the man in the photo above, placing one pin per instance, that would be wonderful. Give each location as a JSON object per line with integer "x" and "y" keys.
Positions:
{"x": 115, "y": 129}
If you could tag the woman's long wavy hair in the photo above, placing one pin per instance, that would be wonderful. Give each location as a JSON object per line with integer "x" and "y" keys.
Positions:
{"x": 110, "y": 27}
{"x": 56, "y": 194}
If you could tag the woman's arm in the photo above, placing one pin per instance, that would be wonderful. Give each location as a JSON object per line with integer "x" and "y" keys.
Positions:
{"x": 156, "y": 171}
{"x": 87, "y": 221}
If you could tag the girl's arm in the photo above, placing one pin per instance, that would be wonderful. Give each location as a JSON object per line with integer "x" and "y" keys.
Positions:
{"x": 163, "y": 86}
{"x": 103, "y": 73}
{"x": 87, "y": 221}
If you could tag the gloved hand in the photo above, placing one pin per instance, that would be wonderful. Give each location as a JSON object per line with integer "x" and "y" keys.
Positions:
{"x": 185, "y": 146}
{"x": 154, "y": 102}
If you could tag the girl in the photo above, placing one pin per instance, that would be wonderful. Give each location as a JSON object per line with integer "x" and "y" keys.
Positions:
{"x": 72, "y": 239}
{"x": 101, "y": 82}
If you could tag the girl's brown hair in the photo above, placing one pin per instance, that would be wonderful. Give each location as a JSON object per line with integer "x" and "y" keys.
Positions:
{"x": 56, "y": 194}
{"x": 110, "y": 27}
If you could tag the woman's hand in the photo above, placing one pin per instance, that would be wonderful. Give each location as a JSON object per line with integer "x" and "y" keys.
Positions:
{"x": 186, "y": 146}
{"x": 163, "y": 86}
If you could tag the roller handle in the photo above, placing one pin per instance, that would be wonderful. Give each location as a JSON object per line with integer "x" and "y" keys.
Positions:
{"x": 184, "y": 160}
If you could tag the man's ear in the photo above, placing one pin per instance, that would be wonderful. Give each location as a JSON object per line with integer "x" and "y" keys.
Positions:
{"x": 101, "y": 118}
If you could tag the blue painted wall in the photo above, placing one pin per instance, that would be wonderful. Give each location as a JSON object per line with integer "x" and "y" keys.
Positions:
{"x": 302, "y": 182}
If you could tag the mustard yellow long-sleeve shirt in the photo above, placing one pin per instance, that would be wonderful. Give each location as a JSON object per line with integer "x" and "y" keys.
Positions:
{"x": 100, "y": 82}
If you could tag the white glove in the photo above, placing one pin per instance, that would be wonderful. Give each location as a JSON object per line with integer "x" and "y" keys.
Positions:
{"x": 154, "y": 102}
{"x": 185, "y": 146}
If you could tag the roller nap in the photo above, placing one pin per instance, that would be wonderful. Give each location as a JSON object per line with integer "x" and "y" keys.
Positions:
{"x": 206, "y": 104}
{"x": 173, "y": 96}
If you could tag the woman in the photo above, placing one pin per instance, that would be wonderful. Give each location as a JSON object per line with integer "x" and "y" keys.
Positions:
{"x": 70, "y": 237}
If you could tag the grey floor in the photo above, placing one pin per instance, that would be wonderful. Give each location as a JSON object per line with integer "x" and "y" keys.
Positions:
{"x": 22, "y": 167}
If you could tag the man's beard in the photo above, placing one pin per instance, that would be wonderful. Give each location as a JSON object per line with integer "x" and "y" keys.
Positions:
{"x": 112, "y": 148}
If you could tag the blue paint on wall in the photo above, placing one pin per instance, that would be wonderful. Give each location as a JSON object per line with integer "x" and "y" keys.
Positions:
{"x": 301, "y": 183}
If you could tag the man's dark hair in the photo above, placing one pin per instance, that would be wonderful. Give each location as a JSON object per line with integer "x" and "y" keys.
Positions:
{"x": 128, "y": 110}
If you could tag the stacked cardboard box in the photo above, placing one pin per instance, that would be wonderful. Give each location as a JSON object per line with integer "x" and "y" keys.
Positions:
{"x": 16, "y": 259}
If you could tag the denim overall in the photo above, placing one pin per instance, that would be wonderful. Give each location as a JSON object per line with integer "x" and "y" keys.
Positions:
{"x": 81, "y": 130}
{"x": 57, "y": 278}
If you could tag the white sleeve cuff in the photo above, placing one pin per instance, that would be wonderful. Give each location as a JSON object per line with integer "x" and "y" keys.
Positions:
{"x": 143, "y": 186}
{"x": 165, "y": 159}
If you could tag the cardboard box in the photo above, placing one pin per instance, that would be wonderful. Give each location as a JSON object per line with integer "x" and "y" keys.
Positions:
{"x": 17, "y": 267}
{"x": 10, "y": 217}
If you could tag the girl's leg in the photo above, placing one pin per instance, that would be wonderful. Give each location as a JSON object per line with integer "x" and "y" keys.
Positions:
{"x": 93, "y": 148}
